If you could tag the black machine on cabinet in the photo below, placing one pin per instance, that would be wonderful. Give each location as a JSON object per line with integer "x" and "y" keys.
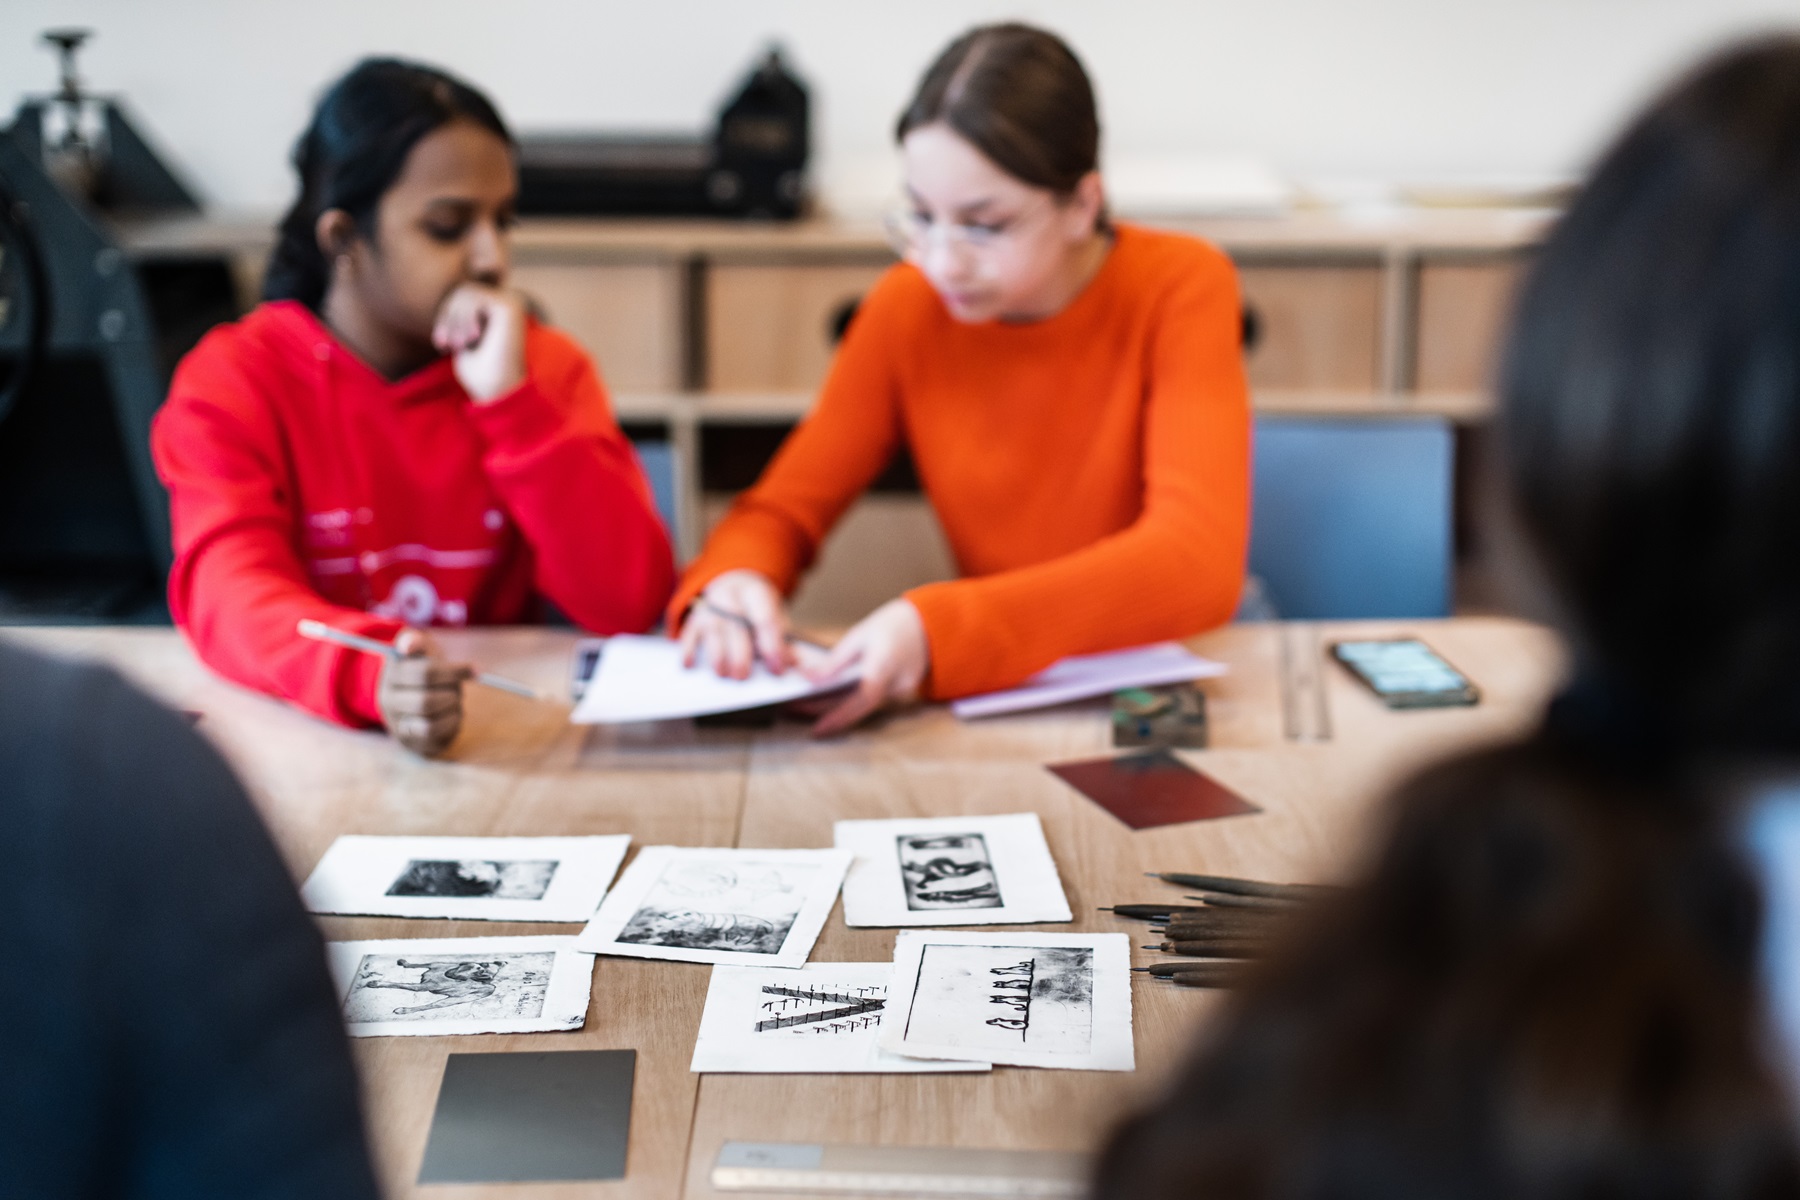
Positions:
{"x": 84, "y": 524}
{"x": 752, "y": 164}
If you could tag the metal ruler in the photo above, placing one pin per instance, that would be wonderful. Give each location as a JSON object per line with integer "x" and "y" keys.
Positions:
{"x": 898, "y": 1170}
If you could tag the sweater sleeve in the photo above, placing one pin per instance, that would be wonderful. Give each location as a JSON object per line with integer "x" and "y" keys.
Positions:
{"x": 1177, "y": 570}
{"x": 832, "y": 456}
{"x": 238, "y": 588}
{"x": 571, "y": 481}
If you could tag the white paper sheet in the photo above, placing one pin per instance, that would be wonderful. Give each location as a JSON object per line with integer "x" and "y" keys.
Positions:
{"x": 1084, "y": 675}
{"x": 1029, "y": 999}
{"x": 819, "y": 1020}
{"x": 437, "y": 987}
{"x": 719, "y": 905}
{"x": 988, "y": 870}
{"x": 469, "y": 878}
{"x": 642, "y": 679}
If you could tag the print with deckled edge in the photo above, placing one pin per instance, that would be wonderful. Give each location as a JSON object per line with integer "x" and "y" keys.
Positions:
{"x": 993, "y": 997}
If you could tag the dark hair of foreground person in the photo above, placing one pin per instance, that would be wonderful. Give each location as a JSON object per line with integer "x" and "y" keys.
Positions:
{"x": 1546, "y": 981}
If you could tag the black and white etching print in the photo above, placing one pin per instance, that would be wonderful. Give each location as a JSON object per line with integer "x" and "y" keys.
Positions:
{"x": 390, "y": 987}
{"x": 820, "y": 1011}
{"x": 475, "y": 877}
{"x": 947, "y": 871}
{"x": 982, "y": 999}
{"x": 696, "y": 904}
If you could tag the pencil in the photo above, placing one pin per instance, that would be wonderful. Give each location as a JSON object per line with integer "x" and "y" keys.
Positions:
{"x": 318, "y": 631}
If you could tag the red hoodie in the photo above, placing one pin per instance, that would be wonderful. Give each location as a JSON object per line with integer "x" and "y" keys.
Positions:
{"x": 303, "y": 484}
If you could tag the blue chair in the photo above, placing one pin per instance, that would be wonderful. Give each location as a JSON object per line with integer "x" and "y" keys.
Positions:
{"x": 1350, "y": 517}
{"x": 658, "y": 461}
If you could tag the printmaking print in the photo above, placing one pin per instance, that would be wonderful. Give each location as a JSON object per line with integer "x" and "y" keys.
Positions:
{"x": 985, "y": 998}
{"x": 527, "y": 880}
{"x": 1026, "y": 999}
{"x": 442, "y": 986}
{"x": 819, "y": 1011}
{"x": 947, "y": 871}
{"x": 699, "y": 904}
{"x": 972, "y": 870}
{"x": 393, "y": 987}
{"x": 704, "y": 905}
{"x": 465, "y": 878}
{"x": 820, "y": 1019}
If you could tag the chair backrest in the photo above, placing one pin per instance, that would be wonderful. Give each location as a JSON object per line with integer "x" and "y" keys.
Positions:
{"x": 1351, "y": 517}
{"x": 658, "y": 461}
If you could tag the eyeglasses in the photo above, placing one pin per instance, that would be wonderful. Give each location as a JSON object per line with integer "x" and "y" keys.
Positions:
{"x": 912, "y": 233}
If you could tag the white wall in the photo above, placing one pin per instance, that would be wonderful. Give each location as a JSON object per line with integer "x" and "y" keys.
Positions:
{"x": 1416, "y": 90}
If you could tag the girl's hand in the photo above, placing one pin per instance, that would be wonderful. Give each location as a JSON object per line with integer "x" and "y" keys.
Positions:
{"x": 420, "y": 695}
{"x": 891, "y": 647}
{"x": 738, "y": 619}
{"x": 484, "y": 328}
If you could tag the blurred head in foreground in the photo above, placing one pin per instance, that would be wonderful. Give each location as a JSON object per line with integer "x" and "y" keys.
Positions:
{"x": 1546, "y": 982}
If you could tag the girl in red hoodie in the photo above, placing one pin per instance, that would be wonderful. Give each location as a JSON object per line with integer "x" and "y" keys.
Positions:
{"x": 391, "y": 442}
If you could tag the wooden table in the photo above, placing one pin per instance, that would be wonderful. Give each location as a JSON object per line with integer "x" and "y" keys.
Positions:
{"x": 519, "y": 769}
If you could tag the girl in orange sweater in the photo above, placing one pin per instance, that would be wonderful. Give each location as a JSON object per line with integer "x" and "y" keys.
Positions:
{"x": 1071, "y": 390}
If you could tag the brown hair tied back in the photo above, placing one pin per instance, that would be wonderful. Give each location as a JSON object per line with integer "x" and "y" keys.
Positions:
{"x": 1020, "y": 96}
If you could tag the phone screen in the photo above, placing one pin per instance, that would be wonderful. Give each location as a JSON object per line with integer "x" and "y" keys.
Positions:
{"x": 1406, "y": 673}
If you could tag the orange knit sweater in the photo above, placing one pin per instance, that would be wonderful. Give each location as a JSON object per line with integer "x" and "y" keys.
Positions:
{"x": 1091, "y": 471}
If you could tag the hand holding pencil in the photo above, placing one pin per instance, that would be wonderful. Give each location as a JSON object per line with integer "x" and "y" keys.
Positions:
{"x": 420, "y": 694}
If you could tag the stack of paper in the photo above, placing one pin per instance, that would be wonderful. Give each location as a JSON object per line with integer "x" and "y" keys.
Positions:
{"x": 1084, "y": 675}
{"x": 643, "y": 679}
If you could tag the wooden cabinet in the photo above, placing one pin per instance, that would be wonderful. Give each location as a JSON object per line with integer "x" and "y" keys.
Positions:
{"x": 1464, "y": 304}
{"x": 628, "y": 315}
{"x": 1316, "y": 325}
{"x": 771, "y": 324}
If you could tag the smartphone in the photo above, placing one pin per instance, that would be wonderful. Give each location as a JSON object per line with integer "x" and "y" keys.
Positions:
{"x": 1406, "y": 673}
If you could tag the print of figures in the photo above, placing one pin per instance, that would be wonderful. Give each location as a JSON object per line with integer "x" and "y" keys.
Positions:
{"x": 1013, "y": 989}
{"x": 444, "y": 986}
{"x": 948, "y": 871}
{"x": 701, "y": 905}
{"x": 1045, "y": 995}
{"x": 479, "y": 877}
